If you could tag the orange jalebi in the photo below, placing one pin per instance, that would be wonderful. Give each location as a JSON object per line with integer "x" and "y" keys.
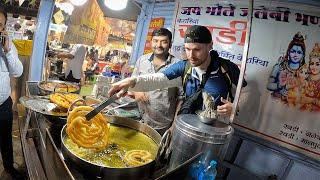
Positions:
{"x": 92, "y": 134}
{"x": 137, "y": 157}
{"x": 64, "y": 100}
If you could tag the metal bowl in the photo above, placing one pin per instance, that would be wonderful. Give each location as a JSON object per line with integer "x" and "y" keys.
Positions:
{"x": 46, "y": 90}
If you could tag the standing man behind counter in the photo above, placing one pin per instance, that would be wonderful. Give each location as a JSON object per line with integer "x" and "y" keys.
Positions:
{"x": 73, "y": 72}
{"x": 158, "y": 106}
{"x": 10, "y": 66}
{"x": 204, "y": 71}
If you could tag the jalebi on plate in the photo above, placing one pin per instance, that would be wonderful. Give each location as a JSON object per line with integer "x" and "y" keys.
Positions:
{"x": 92, "y": 134}
{"x": 64, "y": 100}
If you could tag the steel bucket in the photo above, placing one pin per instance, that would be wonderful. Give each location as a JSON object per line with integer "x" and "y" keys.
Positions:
{"x": 191, "y": 136}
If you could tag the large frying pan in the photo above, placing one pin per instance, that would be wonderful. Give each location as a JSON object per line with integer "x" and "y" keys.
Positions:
{"x": 141, "y": 172}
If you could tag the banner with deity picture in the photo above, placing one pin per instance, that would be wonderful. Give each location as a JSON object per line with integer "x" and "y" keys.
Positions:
{"x": 282, "y": 99}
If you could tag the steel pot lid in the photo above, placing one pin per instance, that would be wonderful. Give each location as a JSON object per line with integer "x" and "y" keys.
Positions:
{"x": 191, "y": 125}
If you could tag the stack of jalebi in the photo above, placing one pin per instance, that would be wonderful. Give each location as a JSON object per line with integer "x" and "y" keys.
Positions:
{"x": 136, "y": 158}
{"x": 92, "y": 134}
{"x": 64, "y": 100}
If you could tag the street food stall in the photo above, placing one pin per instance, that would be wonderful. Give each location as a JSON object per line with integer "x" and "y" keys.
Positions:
{"x": 270, "y": 134}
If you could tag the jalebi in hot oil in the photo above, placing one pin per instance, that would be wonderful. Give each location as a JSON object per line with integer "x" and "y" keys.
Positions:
{"x": 136, "y": 158}
{"x": 92, "y": 134}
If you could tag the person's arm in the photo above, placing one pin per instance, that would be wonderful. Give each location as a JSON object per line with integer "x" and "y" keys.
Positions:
{"x": 171, "y": 77}
{"x": 68, "y": 55}
{"x": 65, "y": 55}
{"x": 143, "y": 83}
{"x": 139, "y": 96}
{"x": 15, "y": 66}
{"x": 150, "y": 82}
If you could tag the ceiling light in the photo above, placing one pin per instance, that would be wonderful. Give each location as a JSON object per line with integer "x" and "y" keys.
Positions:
{"x": 78, "y": 2}
{"x": 66, "y": 7}
{"x": 116, "y": 4}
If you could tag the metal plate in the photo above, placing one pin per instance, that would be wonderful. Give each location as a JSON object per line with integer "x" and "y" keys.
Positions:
{"x": 41, "y": 105}
{"x": 55, "y": 83}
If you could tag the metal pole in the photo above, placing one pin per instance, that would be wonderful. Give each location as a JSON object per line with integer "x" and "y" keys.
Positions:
{"x": 244, "y": 60}
{"x": 40, "y": 40}
{"x": 138, "y": 34}
{"x": 142, "y": 30}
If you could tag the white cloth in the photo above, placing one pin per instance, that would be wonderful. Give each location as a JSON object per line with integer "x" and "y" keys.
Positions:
{"x": 14, "y": 69}
{"x": 150, "y": 82}
{"x": 75, "y": 64}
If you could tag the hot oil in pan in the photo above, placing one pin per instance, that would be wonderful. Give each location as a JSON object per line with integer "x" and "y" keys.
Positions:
{"x": 121, "y": 140}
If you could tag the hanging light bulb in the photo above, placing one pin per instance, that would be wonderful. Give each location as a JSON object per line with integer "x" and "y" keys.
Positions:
{"x": 116, "y": 4}
{"x": 78, "y": 2}
{"x": 66, "y": 7}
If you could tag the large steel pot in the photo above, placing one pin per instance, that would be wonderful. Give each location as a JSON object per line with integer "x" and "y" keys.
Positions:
{"x": 191, "y": 136}
{"x": 141, "y": 172}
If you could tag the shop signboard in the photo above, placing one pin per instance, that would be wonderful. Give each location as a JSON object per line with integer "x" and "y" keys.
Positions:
{"x": 84, "y": 24}
{"x": 283, "y": 68}
{"x": 58, "y": 17}
{"x": 155, "y": 23}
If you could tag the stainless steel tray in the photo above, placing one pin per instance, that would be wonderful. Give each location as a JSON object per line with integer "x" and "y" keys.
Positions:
{"x": 41, "y": 105}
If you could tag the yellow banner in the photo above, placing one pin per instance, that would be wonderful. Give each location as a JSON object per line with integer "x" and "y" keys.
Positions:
{"x": 155, "y": 23}
{"x": 84, "y": 24}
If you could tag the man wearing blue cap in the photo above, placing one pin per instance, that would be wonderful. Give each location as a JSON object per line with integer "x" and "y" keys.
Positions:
{"x": 204, "y": 71}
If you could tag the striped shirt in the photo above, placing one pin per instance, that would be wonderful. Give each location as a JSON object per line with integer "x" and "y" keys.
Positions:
{"x": 160, "y": 110}
{"x": 13, "y": 68}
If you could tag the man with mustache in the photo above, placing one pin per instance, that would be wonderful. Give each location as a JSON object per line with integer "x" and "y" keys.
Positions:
{"x": 157, "y": 107}
{"x": 204, "y": 71}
